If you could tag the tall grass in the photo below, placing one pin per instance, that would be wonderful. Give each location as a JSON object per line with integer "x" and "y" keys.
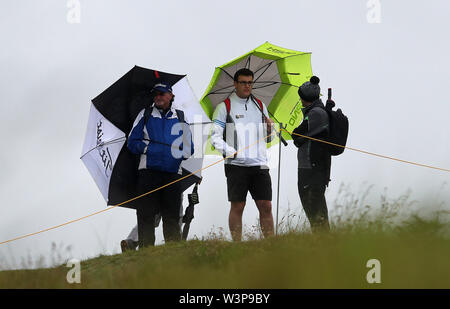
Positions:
{"x": 413, "y": 250}
{"x": 58, "y": 254}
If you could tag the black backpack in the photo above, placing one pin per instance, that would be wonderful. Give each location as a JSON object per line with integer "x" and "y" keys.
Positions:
{"x": 338, "y": 129}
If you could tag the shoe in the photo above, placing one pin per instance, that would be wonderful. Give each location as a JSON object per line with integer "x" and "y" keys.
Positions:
{"x": 128, "y": 245}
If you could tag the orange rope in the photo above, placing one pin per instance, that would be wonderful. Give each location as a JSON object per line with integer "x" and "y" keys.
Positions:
{"x": 370, "y": 153}
{"x": 137, "y": 197}
{"x": 134, "y": 198}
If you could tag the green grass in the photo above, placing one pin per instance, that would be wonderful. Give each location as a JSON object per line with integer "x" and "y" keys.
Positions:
{"x": 414, "y": 254}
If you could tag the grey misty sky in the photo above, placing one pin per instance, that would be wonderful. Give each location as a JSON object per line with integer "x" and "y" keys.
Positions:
{"x": 390, "y": 78}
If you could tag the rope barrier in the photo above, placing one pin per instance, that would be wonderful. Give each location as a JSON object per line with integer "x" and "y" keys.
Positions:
{"x": 370, "y": 153}
{"x": 181, "y": 178}
{"x": 134, "y": 198}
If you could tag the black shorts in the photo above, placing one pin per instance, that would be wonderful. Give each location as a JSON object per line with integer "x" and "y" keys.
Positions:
{"x": 241, "y": 179}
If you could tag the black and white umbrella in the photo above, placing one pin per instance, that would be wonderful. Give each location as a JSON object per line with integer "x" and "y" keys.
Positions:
{"x": 105, "y": 154}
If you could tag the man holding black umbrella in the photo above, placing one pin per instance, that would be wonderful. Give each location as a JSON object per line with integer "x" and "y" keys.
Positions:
{"x": 163, "y": 140}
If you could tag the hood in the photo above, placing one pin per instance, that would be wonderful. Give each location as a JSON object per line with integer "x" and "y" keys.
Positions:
{"x": 316, "y": 103}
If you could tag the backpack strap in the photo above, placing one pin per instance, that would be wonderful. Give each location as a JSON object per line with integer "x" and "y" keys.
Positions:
{"x": 148, "y": 111}
{"x": 263, "y": 118}
{"x": 180, "y": 115}
{"x": 228, "y": 119}
{"x": 227, "y": 105}
{"x": 259, "y": 102}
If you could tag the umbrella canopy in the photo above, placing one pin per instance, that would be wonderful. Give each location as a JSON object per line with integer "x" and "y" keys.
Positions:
{"x": 111, "y": 118}
{"x": 278, "y": 72}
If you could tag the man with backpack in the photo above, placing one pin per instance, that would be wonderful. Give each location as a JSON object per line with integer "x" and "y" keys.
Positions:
{"x": 314, "y": 157}
{"x": 240, "y": 130}
{"x": 162, "y": 139}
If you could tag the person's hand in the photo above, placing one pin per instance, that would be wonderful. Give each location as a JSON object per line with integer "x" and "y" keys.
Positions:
{"x": 269, "y": 123}
{"x": 230, "y": 152}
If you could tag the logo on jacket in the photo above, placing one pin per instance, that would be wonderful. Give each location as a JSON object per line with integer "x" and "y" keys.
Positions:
{"x": 239, "y": 116}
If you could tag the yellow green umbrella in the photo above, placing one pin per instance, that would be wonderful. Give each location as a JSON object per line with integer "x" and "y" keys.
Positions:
{"x": 278, "y": 74}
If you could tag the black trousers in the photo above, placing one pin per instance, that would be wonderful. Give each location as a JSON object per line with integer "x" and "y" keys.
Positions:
{"x": 165, "y": 201}
{"x": 313, "y": 201}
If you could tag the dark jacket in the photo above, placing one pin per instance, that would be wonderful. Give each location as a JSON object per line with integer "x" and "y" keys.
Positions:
{"x": 314, "y": 160}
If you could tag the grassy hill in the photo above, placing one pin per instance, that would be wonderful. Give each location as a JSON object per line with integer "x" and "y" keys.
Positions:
{"x": 415, "y": 254}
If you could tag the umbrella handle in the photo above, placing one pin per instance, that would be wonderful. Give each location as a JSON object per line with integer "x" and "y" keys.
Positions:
{"x": 282, "y": 139}
{"x": 280, "y": 136}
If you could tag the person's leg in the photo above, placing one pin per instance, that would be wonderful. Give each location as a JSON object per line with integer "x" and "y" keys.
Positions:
{"x": 147, "y": 207}
{"x": 237, "y": 188}
{"x": 235, "y": 220}
{"x": 170, "y": 208}
{"x": 261, "y": 190}
{"x": 304, "y": 193}
{"x": 265, "y": 217}
{"x": 314, "y": 204}
{"x": 133, "y": 234}
{"x": 146, "y": 228}
{"x": 321, "y": 210}
{"x": 131, "y": 242}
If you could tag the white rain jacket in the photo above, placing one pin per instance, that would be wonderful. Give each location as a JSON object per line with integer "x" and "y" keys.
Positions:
{"x": 246, "y": 133}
